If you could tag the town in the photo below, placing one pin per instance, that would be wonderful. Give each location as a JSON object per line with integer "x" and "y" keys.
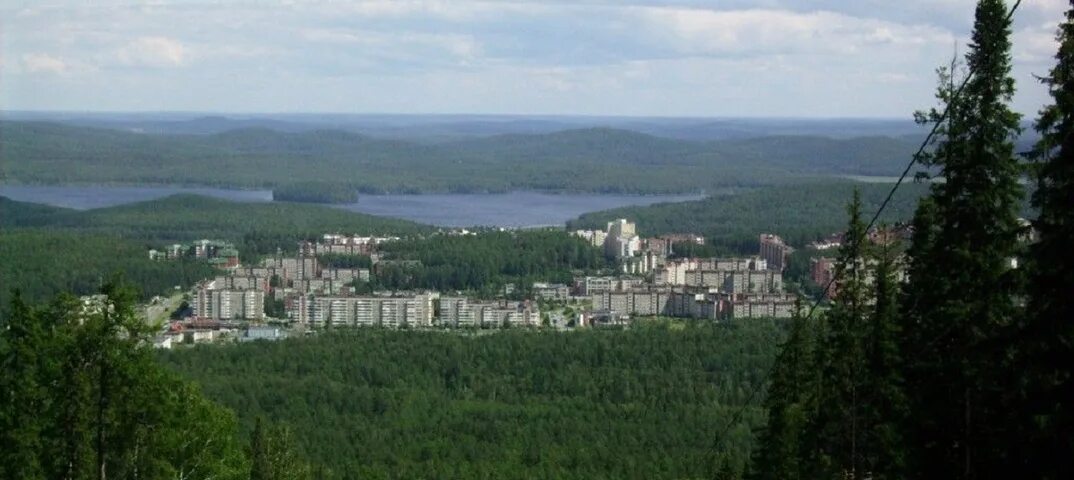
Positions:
{"x": 304, "y": 290}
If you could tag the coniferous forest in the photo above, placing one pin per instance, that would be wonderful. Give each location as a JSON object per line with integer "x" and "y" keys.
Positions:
{"x": 640, "y": 403}
{"x": 963, "y": 370}
{"x": 82, "y": 397}
{"x": 945, "y": 355}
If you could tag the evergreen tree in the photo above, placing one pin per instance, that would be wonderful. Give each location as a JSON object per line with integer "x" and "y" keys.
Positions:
{"x": 273, "y": 455}
{"x": 259, "y": 454}
{"x": 961, "y": 296}
{"x": 781, "y": 452}
{"x": 885, "y": 409}
{"x": 21, "y": 395}
{"x": 1046, "y": 339}
{"x": 838, "y": 427}
{"x": 83, "y": 398}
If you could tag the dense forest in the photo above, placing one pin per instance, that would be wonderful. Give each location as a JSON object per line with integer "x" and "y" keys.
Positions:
{"x": 82, "y": 397}
{"x": 640, "y": 403}
{"x": 486, "y": 261}
{"x": 43, "y": 264}
{"x": 952, "y": 360}
{"x": 731, "y": 222}
{"x": 591, "y": 160}
{"x": 315, "y": 192}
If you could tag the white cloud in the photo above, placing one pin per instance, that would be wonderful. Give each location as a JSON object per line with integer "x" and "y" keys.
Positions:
{"x": 665, "y": 57}
{"x": 43, "y": 63}
{"x": 751, "y": 32}
{"x": 153, "y": 52}
{"x": 1035, "y": 44}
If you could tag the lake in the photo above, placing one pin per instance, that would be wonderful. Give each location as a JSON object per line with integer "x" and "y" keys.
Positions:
{"x": 514, "y": 209}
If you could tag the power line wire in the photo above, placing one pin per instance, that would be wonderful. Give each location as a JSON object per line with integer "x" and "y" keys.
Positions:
{"x": 872, "y": 222}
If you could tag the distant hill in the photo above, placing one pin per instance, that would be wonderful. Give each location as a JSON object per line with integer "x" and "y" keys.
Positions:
{"x": 255, "y": 227}
{"x": 436, "y": 127}
{"x": 800, "y": 213}
{"x": 590, "y": 159}
{"x": 15, "y": 213}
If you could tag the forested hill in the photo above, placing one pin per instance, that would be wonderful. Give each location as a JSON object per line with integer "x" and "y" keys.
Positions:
{"x": 256, "y": 227}
{"x": 799, "y": 213}
{"x": 46, "y": 250}
{"x": 593, "y": 159}
{"x": 14, "y": 213}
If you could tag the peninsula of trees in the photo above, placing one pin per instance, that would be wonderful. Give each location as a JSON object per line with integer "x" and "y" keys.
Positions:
{"x": 315, "y": 192}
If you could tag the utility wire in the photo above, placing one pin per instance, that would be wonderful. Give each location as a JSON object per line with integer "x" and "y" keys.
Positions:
{"x": 872, "y": 222}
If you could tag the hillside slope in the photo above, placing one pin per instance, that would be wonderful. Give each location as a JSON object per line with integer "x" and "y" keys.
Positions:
{"x": 592, "y": 159}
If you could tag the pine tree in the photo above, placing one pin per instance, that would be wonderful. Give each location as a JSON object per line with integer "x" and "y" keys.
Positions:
{"x": 274, "y": 455}
{"x": 961, "y": 295}
{"x": 838, "y": 427}
{"x": 260, "y": 468}
{"x": 885, "y": 410}
{"x": 1046, "y": 339}
{"x": 781, "y": 452}
{"x": 21, "y": 394}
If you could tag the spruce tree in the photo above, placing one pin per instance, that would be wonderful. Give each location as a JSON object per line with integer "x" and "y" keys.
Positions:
{"x": 885, "y": 410}
{"x": 961, "y": 295}
{"x": 260, "y": 463}
{"x": 1046, "y": 340}
{"x": 838, "y": 427}
{"x": 781, "y": 452}
{"x": 21, "y": 394}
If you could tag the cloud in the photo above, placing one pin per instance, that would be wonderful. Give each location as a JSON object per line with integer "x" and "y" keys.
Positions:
{"x": 754, "y": 32}
{"x": 43, "y": 63}
{"x": 664, "y": 57}
{"x": 159, "y": 52}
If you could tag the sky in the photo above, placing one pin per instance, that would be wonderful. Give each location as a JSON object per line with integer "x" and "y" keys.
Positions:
{"x": 735, "y": 58}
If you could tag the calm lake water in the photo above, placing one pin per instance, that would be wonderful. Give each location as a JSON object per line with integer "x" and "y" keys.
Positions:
{"x": 515, "y": 209}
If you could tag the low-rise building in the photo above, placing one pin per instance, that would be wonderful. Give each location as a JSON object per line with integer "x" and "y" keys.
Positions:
{"x": 552, "y": 291}
{"x": 587, "y": 286}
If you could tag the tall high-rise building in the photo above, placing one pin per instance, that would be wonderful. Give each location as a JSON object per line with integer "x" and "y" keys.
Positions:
{"x": 774, "y": 251}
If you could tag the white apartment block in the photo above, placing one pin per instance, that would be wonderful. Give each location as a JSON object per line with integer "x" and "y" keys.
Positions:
{"x": 462, "y": 312}
{"x": 366, "y": 311}
{"x": 226, "y": 304}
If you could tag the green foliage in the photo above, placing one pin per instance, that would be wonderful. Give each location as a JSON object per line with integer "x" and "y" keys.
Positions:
{"x": 962, "y": 293}
{"x": 255, "y": 228}
{"x": 1046, "y": 334}
{"x": 836, "y": 404}
{"x": 342, "y": 260}
{"x": 44, "y": 263}
{"x": 640, "y": 403}
{"x": 782, "y": 451}
{"x": 315, "y": 192}
{"x": 81, "y": 397}
{"x": 486, "y": 260}
{"x": 799, "y": 213}
{"x": 837, "y": 426}
{"x": 595, "y": 160}
{"x": 272, "y": 454}
{"x": 14, "y": 213}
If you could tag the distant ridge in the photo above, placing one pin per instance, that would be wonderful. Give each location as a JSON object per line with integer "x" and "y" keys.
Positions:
{"x": 593, "y": 159}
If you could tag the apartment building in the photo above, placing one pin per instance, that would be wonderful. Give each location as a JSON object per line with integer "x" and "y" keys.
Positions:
{"x": 736, "y": 281}
{"x": 227, "y": 304}
{"x": 463, "y": 312}
{"x": 587, "y": 286}
{"x": 364, "y": 311}
{"x": 774, "y": 251}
